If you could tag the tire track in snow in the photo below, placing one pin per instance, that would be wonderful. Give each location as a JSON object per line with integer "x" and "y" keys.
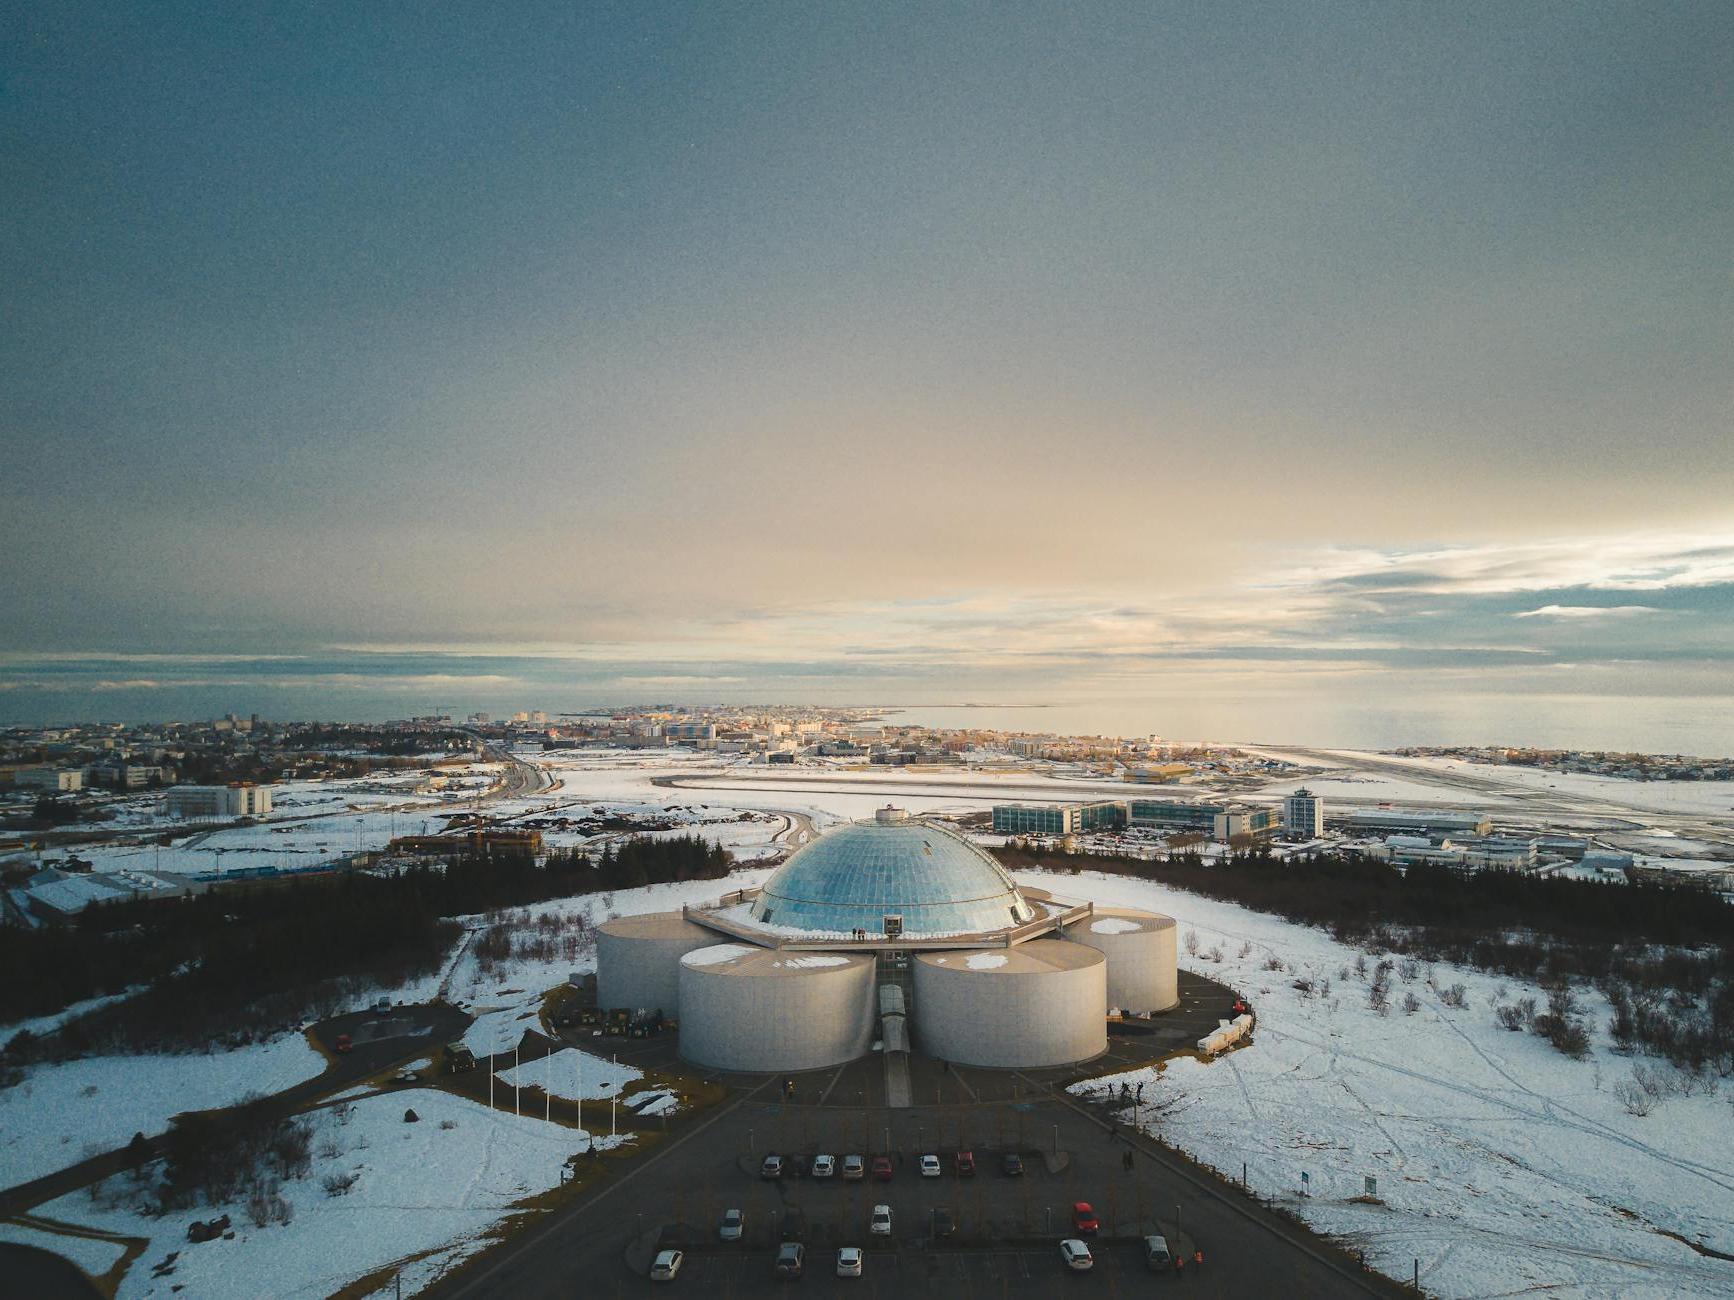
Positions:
{"x": 1717, "y": 1177}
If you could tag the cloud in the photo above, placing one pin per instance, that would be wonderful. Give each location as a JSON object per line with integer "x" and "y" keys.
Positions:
{"x": 1587, "y": 611}
{"x": 1624, "y": 562}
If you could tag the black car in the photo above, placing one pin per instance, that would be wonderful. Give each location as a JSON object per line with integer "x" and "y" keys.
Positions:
{"x": 1012, "y": 1165}
{"x": 794, "y": 1225}
{"x": 943, "y": 1224}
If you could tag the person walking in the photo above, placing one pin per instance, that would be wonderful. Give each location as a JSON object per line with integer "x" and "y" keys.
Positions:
{"x": 1197, "y": 1259}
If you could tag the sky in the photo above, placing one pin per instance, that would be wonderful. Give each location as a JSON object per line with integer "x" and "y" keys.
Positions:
{"x": 368, "y": 359}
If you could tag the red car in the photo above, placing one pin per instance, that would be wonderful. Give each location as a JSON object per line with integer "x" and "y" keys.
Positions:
{"x": 343, "y": 1043}
{"x": 882, "y": 1169}
{"x": 1084, "y": 1219}
{"x": 966, "y": 1164}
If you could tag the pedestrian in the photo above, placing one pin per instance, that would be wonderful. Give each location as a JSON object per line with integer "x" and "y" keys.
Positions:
{"x": 1180, "y": 1266}
{"x": 1198, "y": 1259}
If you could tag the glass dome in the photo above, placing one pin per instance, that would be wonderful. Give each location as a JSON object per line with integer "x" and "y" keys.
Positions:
{"x": 934, "y": 881}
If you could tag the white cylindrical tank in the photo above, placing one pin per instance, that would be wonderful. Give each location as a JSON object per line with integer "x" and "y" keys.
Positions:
{"x": 638, "y": 960}
{"x": 1141, "y": 956}
{"x": 757, "y": 1009}
{"x": 1041, "y": 1003}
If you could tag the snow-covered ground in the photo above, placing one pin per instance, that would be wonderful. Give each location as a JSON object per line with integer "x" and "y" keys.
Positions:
{"x": 61, "y": 1113}
{"x": 431, "y": 1189}
{"x": 1502, "y": 1165}
{"x": 1616, "y": 792}
{"x": 573, "y": 1074}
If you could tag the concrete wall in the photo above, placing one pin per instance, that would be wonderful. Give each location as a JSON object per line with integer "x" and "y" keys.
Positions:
{"x": 1142, "y": 963}
{"x": 1046, "y": 1005}
{"x": 766, "y": 1011}
{"x": 638, "y": 960}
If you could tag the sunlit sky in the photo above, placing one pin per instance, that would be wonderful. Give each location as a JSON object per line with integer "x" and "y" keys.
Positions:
{"x": 362, "y": 359}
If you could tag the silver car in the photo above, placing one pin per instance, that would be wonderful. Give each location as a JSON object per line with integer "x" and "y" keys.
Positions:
{"x": 849, "y": 1260}
{"x": 823, "y": 1166}
{"x": 730, "y": 1227}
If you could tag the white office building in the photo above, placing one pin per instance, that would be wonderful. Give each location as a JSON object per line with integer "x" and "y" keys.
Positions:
{"x": 211, "y": 801}
{"x": 1303, "y": 814}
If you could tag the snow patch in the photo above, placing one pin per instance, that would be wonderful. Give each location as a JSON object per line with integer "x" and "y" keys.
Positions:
{"x": 716, "y": 954}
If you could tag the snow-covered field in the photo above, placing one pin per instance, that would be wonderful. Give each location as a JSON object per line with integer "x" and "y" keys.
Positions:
{"x": 48, "y": 1121}
{"x": 573, "y": 1074}
{"x": 1502, "y": 1165}
{"x": 426, "y": 1194}
{"x": 1616, "y": 792}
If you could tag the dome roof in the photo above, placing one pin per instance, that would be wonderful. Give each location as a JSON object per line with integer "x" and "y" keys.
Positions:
{"x": 854, "y": 877}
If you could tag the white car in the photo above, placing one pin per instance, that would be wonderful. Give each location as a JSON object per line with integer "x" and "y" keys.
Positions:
{"x": 849, "y": 1261}
{"x": 881, "y": 1224}
{"x": 772, "y": 1167}
{"x": 1077, "y": 1255}
{"x": 730, "y": 1227}
{"x": 930, "y": 1167}
{"x": 666, "y": 1266}
{"x": 823, "y": 1166}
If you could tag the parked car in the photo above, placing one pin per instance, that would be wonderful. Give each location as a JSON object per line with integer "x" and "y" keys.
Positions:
{"x": 966, "y": 1164}
{"x": 1156, "y": 1255}
{"x": 930, "y": 1166}
{"x": 730, "y": 1227}
{"x": 881, "y": 1169}
{"x": 772, "y": 1167}
{"x": 382, "y": 1007}
{"x": 1084, "y": 1220}
{"x": 791, "y": 1256}
{"x": 794, "y": 1225}
{"x": 881, "y": 1224}
{"x": 943, "y": 1224}
{"x": 406, "y": 1076}
{"x": 849, "y": 1260}
{"x": 824, "y": 1166}
{"x": 1077, "y": 1256}
{"x": 854, "y": 1167}
{"x": 666, "y": 1266}
{"x": 1013, "y": 1165}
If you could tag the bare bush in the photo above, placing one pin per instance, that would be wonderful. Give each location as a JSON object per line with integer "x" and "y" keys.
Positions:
{"x": 1509, "y": 1017}
{"x": 1411, "y": 1004}
{"x": 1272, "y": 963}
{"x": 1455, "y": 996}
{"x": 1633, "y": 1097}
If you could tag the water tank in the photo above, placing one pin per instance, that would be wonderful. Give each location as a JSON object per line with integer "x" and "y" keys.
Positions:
{"x": 1141, "y": 955}
{"x": 1040, "y": 1003}
{"x": 638, "y": 960}
{"x": 754, "y": 1009}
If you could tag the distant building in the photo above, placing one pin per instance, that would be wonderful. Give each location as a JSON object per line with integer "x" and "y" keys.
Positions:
{"x": 1303, "y": 814}
{"x": 1058, "y": 819}
{"x": 482, "y": 844}
{"x": 50, "y": 778}
{"x": 1399, "y": 822}
{"x": 213, "y": 801}
{"x": 690, "y": 730}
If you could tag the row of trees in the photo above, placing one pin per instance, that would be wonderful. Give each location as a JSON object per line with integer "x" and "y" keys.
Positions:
{"x": 252, "y": 959}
